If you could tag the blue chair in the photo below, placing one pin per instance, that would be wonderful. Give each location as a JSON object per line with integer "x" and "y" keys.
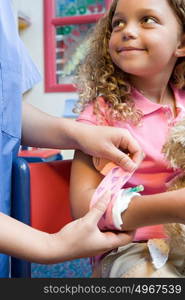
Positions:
{"x": 38, "y": 155}
{"x": 21, "y": 209}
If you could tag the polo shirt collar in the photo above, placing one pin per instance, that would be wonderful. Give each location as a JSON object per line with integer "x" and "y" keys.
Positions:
{"x": 147, "y": 106}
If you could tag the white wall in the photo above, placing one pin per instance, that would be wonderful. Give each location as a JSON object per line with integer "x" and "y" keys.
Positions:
{"x": 52, "y": 103}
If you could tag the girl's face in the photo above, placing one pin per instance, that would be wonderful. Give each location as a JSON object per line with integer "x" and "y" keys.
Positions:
{"x": 145, "y": 37}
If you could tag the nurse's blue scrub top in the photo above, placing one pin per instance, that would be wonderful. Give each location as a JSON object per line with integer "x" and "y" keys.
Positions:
{"x": 17, "y": 75}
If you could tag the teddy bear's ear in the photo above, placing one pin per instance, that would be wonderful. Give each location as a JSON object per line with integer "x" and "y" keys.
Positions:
{"x": 168, "y": 150}
{"x": 174, "y": 148}
{"x": 178, "y": 133}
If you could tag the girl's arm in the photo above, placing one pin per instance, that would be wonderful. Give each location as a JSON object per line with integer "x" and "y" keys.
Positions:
{"x": 83, "y": 182}
{"x": 147, "y": 210}
{"x": 167, "y": 207}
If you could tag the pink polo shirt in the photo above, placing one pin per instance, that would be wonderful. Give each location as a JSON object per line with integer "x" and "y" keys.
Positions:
{"x": 151, "y": 134}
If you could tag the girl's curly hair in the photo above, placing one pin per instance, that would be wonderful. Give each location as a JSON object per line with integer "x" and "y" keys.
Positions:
{"x": 97, "y": 75}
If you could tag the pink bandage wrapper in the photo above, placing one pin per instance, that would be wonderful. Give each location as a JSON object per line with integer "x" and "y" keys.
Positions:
{"x": 114, "y": 181}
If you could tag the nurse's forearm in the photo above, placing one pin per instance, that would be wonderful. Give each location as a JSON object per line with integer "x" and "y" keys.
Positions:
{"x": 155, "y": 209}
{"x": 45, "y": 131}
{"x": 42, "y": 130}
{"x": 22, "y": 241}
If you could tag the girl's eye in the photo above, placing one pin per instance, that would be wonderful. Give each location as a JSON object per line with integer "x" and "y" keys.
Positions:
{"x": 149, "y": 20}
{"x": 118, "y": 24}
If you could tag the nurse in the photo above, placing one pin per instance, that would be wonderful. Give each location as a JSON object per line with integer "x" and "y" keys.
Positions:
{"x": 35, "y": 128}
{"x": 17, "y": 75}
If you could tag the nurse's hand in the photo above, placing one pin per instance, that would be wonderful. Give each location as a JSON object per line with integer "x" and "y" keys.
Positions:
{"x": 82, "y": 237}
{"x": 114, "y": 144}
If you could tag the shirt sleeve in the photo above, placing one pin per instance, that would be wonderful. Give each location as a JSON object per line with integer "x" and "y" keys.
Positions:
{"x": 88, "y": 116}
{"x": 30, "y": 73}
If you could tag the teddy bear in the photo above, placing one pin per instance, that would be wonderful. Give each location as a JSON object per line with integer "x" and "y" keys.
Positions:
{"x": 174, "y": 153}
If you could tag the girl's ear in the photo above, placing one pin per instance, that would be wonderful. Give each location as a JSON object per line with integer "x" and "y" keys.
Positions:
{"x": 180, "y": 51}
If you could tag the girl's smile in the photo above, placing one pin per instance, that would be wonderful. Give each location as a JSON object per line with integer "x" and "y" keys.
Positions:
{"x": 129, "y": 50}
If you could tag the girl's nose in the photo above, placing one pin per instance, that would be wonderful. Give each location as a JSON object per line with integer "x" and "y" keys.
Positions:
{"x": 129, "y": 32}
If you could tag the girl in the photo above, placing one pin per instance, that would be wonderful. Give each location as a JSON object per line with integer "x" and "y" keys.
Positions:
{"x": 133, "y": 77}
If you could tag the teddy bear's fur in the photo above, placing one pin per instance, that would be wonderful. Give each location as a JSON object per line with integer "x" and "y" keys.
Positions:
{"x": 174, "y": 151}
